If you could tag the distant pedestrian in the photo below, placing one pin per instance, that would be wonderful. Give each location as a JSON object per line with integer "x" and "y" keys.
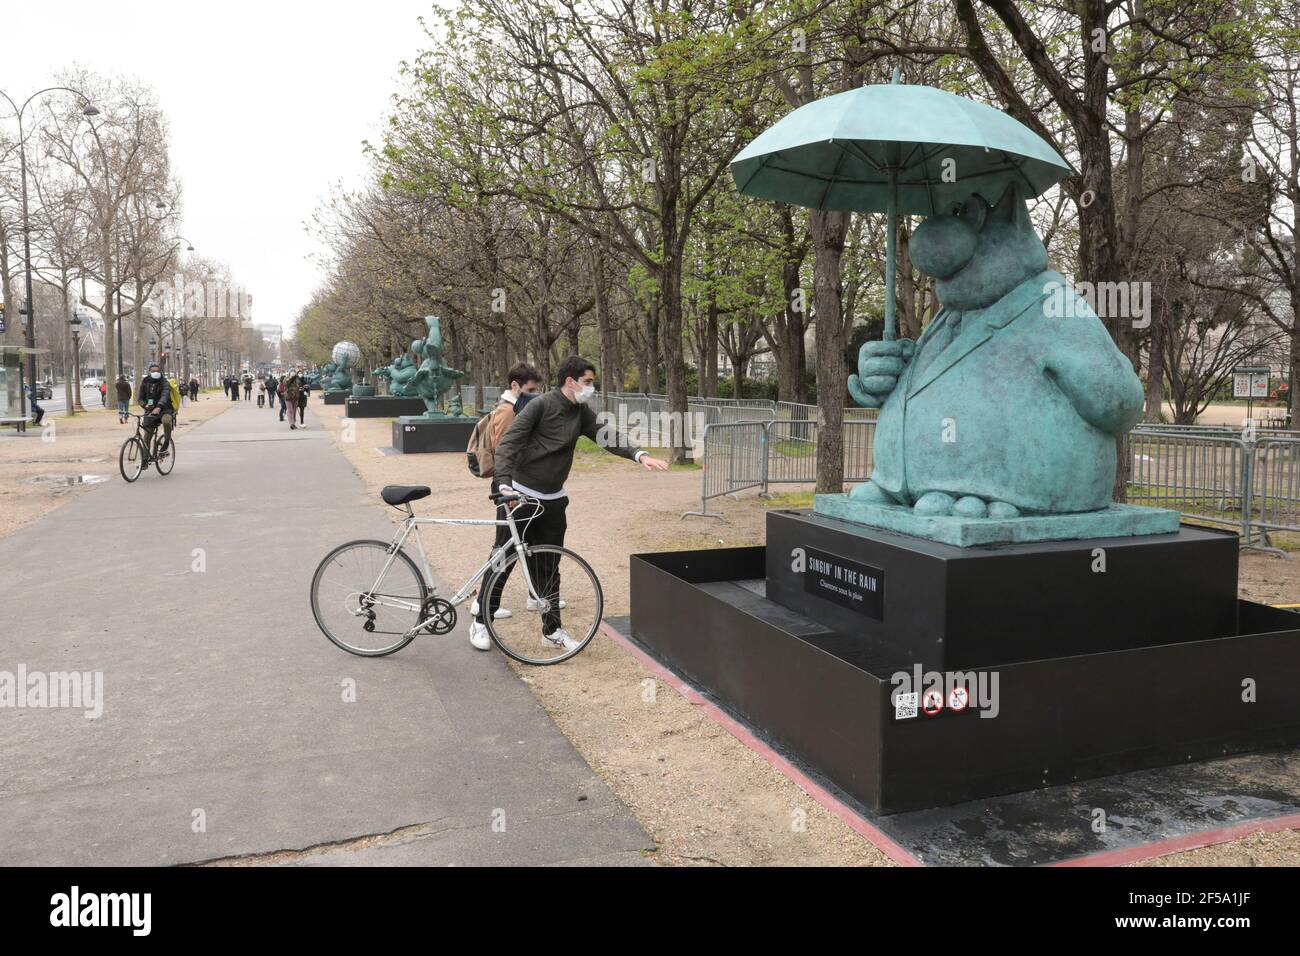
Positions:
{"x": 261, "y": 393}
{"x": 38, "y": 413}
{"x": 122, "y": 389}
{"x": 194, "y": 390}
{"x": 291, "y": 389}
{"x": 103, "y": 394}
{"x": 271, "y": 386}
{"x": 304, "y": 389}
{"x": 281, "y": 394}
{"x": 248, "y": 387}
{"x": 232, "y": 386}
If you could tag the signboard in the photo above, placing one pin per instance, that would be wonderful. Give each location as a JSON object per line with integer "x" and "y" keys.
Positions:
{"x": 858, "y": 587}
{"x": 1250, "y": 383}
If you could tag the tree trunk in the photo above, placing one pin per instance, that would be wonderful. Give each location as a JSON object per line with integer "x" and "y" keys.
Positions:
{"x": 110, "y": 320}
{"x": 674, "y": 359}
{"x": 1156, "y": 369}
{"x": 709, "y": 352}
{"x": 829, "y": 230}
{"x": 910, "y": 316}
{"x": 64, "y": 283}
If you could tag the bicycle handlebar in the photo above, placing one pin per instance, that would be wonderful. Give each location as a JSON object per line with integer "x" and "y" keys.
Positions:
{"x": 500, "y": 499}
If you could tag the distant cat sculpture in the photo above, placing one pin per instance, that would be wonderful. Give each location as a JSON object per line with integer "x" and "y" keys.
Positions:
{"x": 1012, "y": 399}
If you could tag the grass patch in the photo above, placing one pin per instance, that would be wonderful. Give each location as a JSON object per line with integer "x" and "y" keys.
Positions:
{"x": 790, "y": 499}
{"x": 795, "y": 449}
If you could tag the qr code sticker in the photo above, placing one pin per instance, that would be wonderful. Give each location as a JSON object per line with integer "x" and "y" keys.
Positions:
{"x": 905, "y": 706}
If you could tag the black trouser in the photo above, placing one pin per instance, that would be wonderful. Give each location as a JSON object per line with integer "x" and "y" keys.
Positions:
{"x": 546, "y": 528}
{"x": 150, "y": 424}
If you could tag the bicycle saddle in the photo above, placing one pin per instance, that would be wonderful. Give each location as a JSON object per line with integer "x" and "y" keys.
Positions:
{"x": 401, "y": 494}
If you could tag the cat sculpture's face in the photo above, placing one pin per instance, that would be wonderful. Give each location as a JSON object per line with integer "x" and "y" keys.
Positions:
{"x": 978, "y": 253}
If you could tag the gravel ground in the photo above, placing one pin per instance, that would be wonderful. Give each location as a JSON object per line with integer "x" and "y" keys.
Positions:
{"x": 705, "y": 797}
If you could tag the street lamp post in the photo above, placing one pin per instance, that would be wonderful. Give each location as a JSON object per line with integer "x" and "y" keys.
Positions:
{"x": 30, "y": 306}
{"x": 75, "y": 323}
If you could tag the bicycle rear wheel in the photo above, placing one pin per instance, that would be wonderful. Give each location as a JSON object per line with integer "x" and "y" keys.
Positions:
{"x": 130, "y": 460}
{"x": 566, "y": 595}
{"x": 361, "y": 612}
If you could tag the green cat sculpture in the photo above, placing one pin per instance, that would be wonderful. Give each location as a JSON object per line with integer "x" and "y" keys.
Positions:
{"x": 1010, "y": 403}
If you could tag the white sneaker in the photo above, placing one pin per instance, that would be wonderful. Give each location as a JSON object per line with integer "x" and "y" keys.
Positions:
{"x": 536, "y": 605}
{"x": 478, "y": 636}
{"x": 500, "y": 615}
{"x": 561, "y": 638}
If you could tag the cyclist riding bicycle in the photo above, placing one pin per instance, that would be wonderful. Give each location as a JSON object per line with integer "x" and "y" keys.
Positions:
{"x": 155, "y": 397}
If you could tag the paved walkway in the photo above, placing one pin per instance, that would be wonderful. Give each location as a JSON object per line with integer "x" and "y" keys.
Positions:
{"x": 224, "y": 729}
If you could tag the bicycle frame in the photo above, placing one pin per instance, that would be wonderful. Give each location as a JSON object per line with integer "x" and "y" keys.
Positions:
{"x": 412, "y": 523}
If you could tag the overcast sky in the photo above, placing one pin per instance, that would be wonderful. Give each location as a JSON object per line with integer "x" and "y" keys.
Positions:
{"x": 268, "y": 103}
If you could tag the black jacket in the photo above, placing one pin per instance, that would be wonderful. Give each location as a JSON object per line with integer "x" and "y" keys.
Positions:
{"x": 537, "y": 448}
{"x": 155, "y": 392}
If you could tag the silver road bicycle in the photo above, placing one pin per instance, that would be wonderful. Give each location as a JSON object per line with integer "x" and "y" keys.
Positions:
{"x": 370, "y": 598}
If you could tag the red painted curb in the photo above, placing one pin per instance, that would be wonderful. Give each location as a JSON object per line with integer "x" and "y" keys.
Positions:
{"x": 1191, "y": 841}
{"x": 841, "y": 810}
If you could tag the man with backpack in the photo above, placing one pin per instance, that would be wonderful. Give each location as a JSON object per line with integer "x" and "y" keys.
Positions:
{"x": 522, "y": 383}
{"x": 155, "y": 397}
{"x": 533, "y": 458}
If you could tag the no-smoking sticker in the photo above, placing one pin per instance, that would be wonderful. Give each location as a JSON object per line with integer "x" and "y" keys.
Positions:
{"x": 932, "y": 702}
{"x": 958, "y": 698}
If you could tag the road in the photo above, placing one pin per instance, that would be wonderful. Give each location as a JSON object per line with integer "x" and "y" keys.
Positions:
{"x": 230, "y": 727}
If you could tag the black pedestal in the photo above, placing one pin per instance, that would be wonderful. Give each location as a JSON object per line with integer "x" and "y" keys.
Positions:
{"x": 383, "y": 406}
{"x": 1068, "y": 673}
{"x": 336, "y": 398}
{"x": 950, "y": 607}
{"x": 416, "y": 437}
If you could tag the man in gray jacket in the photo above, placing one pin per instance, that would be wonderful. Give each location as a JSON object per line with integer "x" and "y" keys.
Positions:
{"x": 534, "y": 457}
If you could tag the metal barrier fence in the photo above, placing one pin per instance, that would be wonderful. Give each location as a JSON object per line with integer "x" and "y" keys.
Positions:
{"x": 741, "y": 455}
{"x": 1204, "y": 475}
{"x": 469, "y": 397}
{"x": 735, "y": 456}
{"x": 1249, "y": 482}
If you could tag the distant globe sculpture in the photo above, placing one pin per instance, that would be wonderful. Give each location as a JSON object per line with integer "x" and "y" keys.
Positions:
{"x": 338, "y": 374}
{"x": 346, "y": 354}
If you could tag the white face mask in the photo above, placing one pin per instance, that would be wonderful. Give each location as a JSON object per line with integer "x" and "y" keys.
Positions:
{"x": 584, "y": 393}
{"x": 155, "y": 374}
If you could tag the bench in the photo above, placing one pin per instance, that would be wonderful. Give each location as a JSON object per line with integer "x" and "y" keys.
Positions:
{"x": 20, "y": 422}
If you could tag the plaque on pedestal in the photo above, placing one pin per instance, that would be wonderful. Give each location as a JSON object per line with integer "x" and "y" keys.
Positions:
{"x": 415, "y": 435}
{"x": 385, "y": 406}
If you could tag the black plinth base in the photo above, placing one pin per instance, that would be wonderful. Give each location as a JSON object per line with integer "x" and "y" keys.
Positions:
{"x": 335, "y": 398}
{"x": 415, "y": 437}
{"x": 383, "y": 406}
{"x": 827, "y": 694}
{"x": 948, "y": 607}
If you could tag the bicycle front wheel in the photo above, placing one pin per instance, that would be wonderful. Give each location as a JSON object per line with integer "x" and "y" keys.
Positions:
{"x": 130, "y": 460}
{"x": 363, "y": 602}
{"x": 166, "y": 459}
{"x": 565, "y": 598}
